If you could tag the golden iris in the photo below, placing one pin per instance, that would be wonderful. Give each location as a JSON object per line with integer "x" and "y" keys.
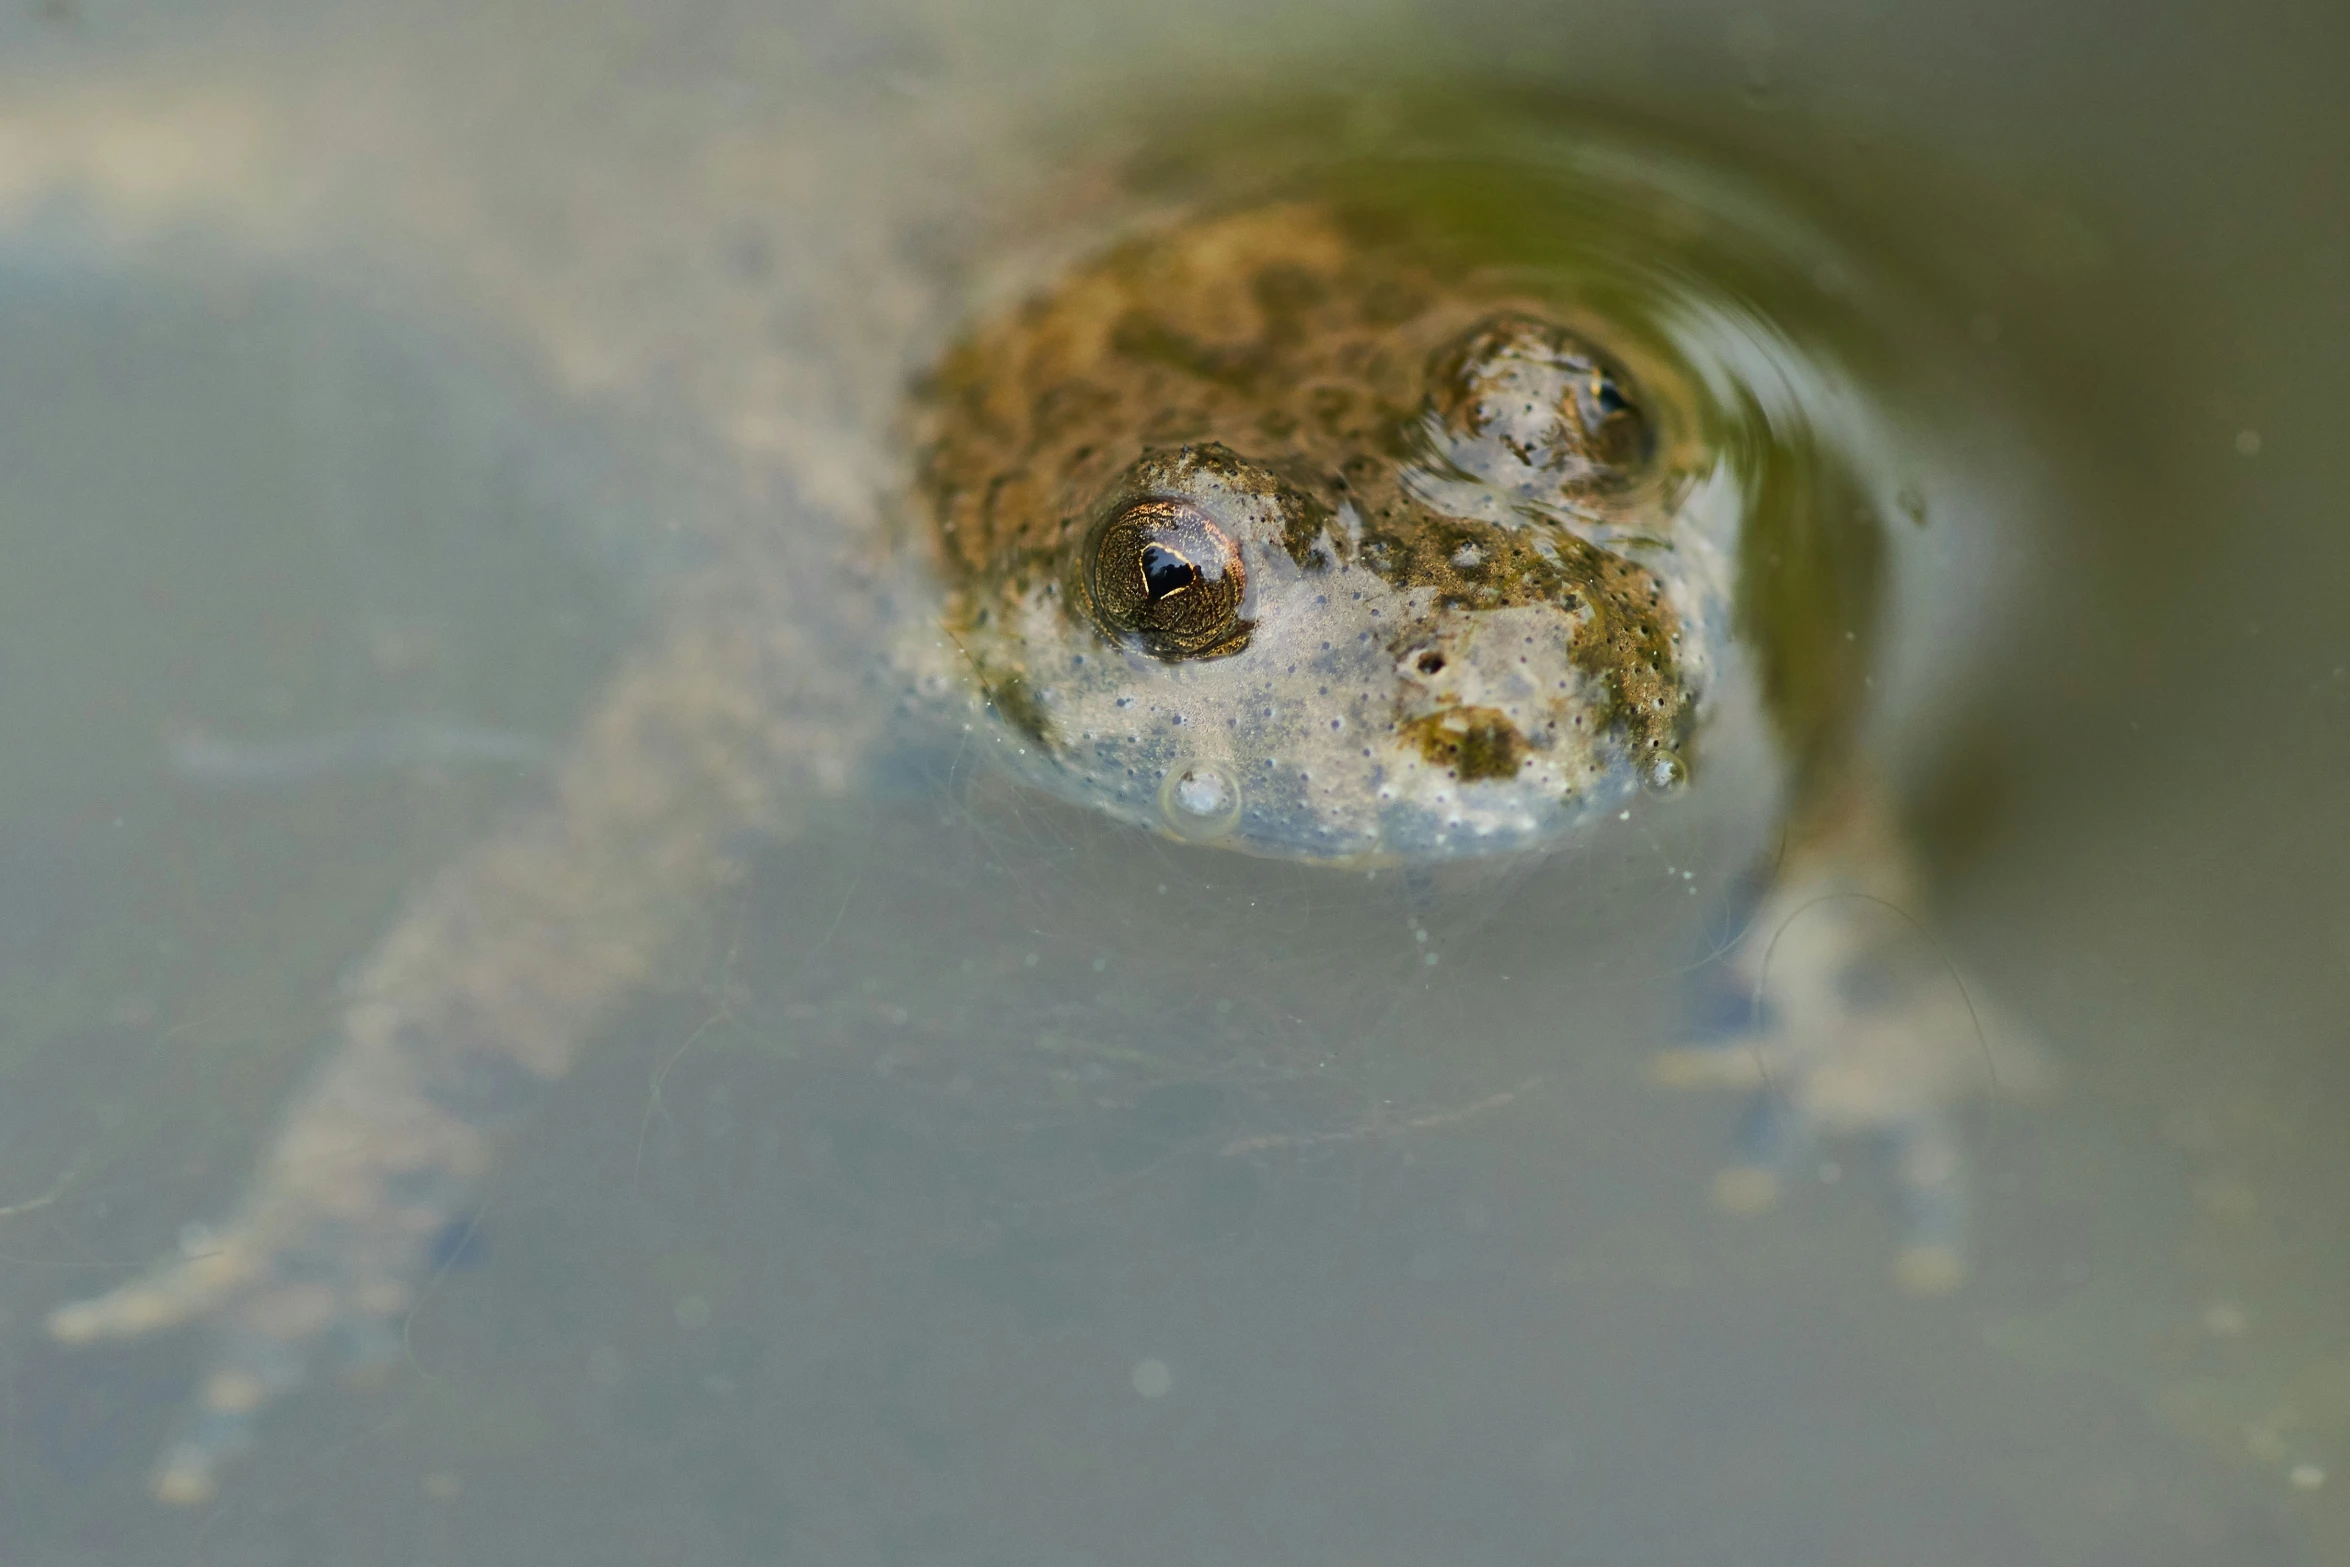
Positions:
{"x": 1162, "y": 574}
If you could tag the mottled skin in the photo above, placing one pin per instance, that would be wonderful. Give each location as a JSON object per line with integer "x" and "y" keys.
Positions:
{"x": 1471, "y": 610}
{"x": 1443, "y": 566}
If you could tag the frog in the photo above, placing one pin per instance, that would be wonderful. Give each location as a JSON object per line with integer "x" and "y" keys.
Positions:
{"x": 1283, "y": 513}
{"x": 1376, "y": 559}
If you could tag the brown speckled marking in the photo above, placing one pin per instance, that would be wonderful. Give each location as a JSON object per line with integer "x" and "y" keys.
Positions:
{"x": 1471, "y": 743}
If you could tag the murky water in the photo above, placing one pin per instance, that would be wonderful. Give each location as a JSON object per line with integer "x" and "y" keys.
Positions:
{"x": 985, "y": 1182}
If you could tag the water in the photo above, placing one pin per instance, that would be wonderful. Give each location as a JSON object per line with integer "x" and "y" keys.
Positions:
{"x": 960, "y": 1195}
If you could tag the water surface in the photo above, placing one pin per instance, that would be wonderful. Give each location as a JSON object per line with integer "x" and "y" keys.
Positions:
{"x": 988, "y": 1183}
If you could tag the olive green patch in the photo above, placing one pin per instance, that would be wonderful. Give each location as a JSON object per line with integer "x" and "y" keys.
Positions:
{"x": 1470, "y": 742}
{"x": 1016, "y": 704}
{"x": 1152, "y": 341}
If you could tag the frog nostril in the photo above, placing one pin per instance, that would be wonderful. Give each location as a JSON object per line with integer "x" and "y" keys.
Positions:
{"x": 1431, "y": 663}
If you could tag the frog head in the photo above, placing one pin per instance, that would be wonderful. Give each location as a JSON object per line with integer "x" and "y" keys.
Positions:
{"x": 1281, "y": 528}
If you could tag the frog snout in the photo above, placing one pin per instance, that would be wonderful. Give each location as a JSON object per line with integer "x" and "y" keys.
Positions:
{"x": 1513, "y": 658}
{"x": 1483, "y": 693}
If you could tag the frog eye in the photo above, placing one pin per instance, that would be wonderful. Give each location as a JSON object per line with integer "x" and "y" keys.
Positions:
{"x": 1522, "y": 401}
{"x": 1161, "y": 573}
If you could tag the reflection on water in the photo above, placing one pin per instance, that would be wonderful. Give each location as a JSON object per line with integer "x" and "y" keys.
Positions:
{"x": 983, "y": 1181}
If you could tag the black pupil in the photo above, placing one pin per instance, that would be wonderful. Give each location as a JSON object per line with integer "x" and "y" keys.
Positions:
{"x": 1165, "y": 573}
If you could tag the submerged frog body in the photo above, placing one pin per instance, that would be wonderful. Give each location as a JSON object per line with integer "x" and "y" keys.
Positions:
{"x": 1310, "y": 519}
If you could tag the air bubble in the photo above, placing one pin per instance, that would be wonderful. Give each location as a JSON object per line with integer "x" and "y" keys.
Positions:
{"x": 1199, "y": 801}
{"x": 1665, "y": 773}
